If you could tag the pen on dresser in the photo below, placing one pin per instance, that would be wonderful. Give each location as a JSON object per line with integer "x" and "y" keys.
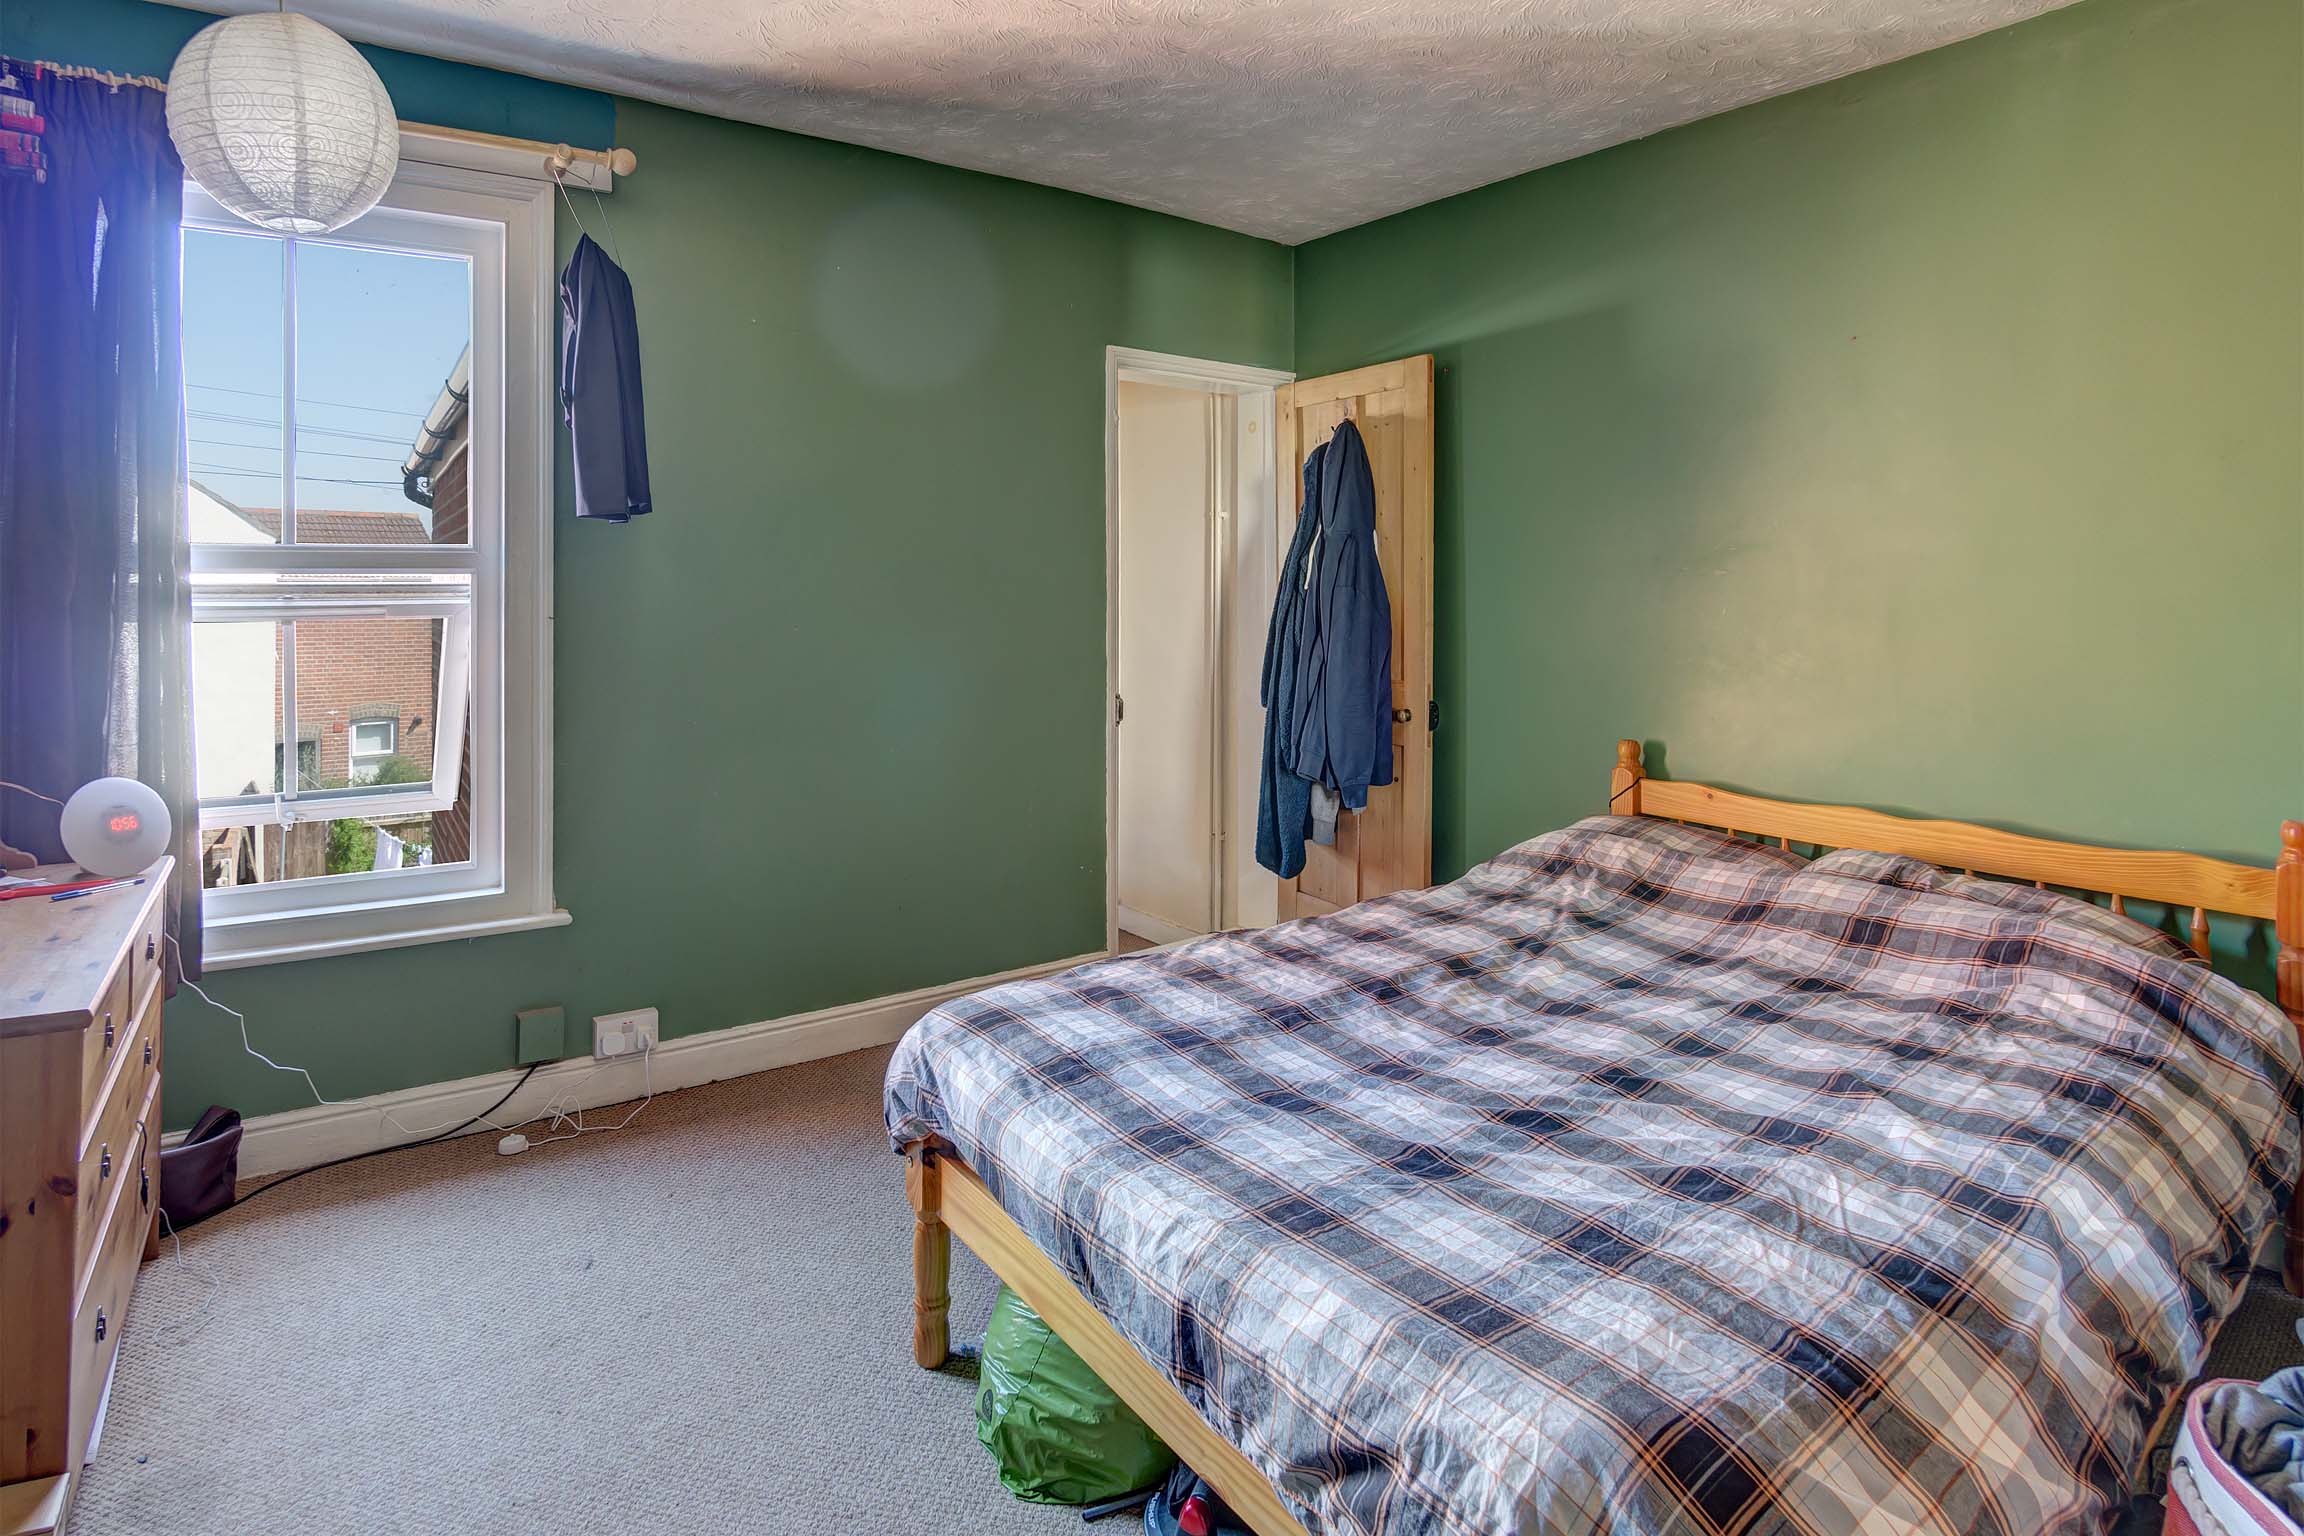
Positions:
{"x": 90, "y": 890}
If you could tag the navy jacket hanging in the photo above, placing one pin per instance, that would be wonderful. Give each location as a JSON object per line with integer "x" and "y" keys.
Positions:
{"x": 600, "y": 386}
{"x": 1327, "y": 656}
{"x": 1283, "y": 801}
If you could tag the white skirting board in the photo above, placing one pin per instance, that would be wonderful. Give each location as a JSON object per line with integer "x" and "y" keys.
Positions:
{"x": 1145, "y": 926}
{"x": 299, "y": 1138}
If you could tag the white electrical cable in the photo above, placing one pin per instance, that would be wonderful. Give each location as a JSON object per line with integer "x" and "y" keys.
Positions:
{"x": 26, "y": 789}
{"x": 561, "y": 1110}
{"x": 249, "y": 1046}
{"x": 184, "y": 1327}
{"x": 574, "y": 1114}
{"x": 313, "y": 1087}
{"x": 245, "y": 1043}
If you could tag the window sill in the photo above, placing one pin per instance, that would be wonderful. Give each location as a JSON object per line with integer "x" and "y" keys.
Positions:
{"x": 258, "y": 953}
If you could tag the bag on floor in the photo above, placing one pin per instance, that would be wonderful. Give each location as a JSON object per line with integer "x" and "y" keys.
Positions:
{"x": 1055, "y": 1431}
{"x": 198, "y": 1176}
{"x": 2211, "y": 1491}
{"x": 1186, "y": 1506}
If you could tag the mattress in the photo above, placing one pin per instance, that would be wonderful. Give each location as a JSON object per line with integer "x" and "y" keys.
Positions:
{"x": 1645, "y": 1180}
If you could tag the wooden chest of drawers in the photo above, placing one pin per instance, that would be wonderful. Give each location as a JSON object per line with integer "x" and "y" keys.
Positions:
{"x": 80, "y": 990}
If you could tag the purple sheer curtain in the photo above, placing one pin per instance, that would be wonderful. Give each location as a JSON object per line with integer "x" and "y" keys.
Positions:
{"x": 95, "y": 613}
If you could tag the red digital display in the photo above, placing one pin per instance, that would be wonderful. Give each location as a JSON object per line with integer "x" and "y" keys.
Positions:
{"x": 123, "y": 822}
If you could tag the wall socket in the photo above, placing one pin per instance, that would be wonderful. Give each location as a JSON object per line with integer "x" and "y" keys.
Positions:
{"x": 631, "y": 1033}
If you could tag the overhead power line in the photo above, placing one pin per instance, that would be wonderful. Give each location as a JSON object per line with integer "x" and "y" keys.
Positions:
{"x": 382, "y": 410}
{"x": 302, "y": 427}
{"x": 394, "y": 459}
{"x": 246, "y": 473}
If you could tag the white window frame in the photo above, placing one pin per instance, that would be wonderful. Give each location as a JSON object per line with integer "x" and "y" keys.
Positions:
{"x": 502, "y": 223}
{"x": 451, "y": 706}
{"x": 353, "y": 755}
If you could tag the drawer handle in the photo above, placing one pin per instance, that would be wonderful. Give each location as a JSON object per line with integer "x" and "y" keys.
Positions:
{"x": 107, "y": 1029}
{"x": 104, "y": 1163}
{"x": 100, "y": 1325}
{"x": 147, "y": 1050}
{"x": 151, "y": 946}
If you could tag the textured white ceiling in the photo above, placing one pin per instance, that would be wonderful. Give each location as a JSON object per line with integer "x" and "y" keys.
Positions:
{"x": 1282, "y": 118}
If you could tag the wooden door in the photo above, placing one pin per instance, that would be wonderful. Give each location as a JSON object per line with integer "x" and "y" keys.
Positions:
{"x": 1387, "y": 847}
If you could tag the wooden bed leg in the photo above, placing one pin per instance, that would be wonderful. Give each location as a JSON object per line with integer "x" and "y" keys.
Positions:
{"x": 1624, "y": 782}
{"x": 2288, "y": 931}
{"x": 931, "y": 1258}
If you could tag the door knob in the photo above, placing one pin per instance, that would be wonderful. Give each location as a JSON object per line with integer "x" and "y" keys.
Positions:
{"x": 1403, "y": 715}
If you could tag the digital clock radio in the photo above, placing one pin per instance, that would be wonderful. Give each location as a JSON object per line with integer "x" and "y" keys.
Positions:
{"x": 115, "y": 827}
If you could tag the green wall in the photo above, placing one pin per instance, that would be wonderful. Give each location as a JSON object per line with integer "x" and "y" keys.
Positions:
{"x": 1929, "y": 439}
{"x": 830, "y": 721}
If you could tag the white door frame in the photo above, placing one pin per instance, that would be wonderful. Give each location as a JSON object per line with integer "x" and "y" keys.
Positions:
{"x": 1248, "y": 536}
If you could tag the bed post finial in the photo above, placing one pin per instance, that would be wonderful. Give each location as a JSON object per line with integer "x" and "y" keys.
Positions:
{"x": 2288, "y": 973}
{"x": 1624, "y": 783}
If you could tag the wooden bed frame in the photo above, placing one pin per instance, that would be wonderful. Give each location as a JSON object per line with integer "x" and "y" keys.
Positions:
{"x": 948, "y": 1198}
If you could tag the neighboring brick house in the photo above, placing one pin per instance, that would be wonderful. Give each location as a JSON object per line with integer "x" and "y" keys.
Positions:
{"x": 364, "y": 687}
{"x": 365, "y": 692}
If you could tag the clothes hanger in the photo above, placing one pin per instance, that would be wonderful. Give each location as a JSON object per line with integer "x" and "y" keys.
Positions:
{"x": 559, "y": 169}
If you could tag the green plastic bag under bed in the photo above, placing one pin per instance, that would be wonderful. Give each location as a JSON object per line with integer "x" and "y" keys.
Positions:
{"x": 1055, "y": 1431}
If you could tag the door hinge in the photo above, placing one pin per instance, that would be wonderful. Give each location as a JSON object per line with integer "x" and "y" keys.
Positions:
{"x": 1431, "y": 715}
{"x": 1119, "y": 709}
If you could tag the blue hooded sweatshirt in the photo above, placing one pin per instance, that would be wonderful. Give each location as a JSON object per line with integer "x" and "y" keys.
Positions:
{"x": 1327, "y": 657}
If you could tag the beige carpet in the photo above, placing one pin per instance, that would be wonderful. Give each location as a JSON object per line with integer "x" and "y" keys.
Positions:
{"x": 700, "y": 1323}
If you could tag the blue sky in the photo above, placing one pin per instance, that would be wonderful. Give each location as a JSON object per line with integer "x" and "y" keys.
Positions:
{"x": 377, "y": 333}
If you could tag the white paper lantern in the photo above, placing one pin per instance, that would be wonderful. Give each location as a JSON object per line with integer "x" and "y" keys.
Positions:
{"x": 283, "y": 122}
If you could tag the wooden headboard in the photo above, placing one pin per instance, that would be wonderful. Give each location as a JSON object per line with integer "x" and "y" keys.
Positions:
{"x": 2173, "y": 879}
{"x": 2179, "y": 880}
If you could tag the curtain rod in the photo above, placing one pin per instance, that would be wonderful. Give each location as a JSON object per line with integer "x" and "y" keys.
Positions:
{"x": 557, "y": 157}
{"x": 83, "y": 72}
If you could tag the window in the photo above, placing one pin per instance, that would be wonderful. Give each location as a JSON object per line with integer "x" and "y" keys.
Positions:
{"x": 368, "y": 482}
{"x": 307, "y": 761}
{"x": 371, "y": 748}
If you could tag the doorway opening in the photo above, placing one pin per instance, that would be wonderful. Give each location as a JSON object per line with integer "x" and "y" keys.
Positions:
{"x": 1191, "y": 554}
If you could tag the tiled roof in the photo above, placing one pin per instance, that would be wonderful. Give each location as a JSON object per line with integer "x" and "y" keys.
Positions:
{"x": 326, "y": 527}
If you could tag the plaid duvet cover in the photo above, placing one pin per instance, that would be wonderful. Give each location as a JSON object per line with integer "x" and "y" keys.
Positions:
{"x": 1647, "y": 1181}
